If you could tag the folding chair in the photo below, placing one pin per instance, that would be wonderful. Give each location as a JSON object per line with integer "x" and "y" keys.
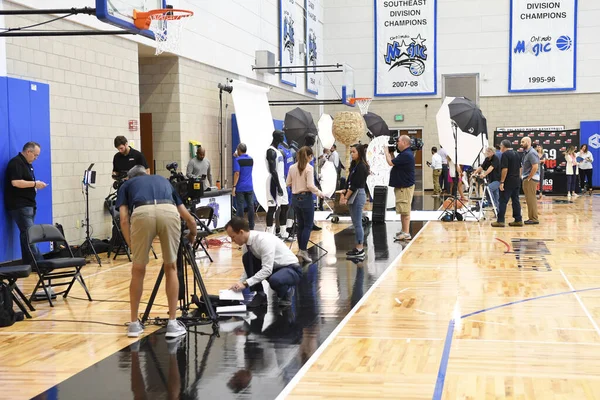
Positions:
{"x": 10, "y": 275}
{"x": 56, "y": 268}
{"x": 203, "y": 216}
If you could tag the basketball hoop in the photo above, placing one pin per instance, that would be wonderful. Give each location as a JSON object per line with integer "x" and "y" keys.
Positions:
{"x": 363, "y": 103}
{"x": 166, "y": 24}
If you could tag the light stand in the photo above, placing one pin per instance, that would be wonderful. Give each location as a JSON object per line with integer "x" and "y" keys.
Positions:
{"x": 87, "y": 247}
{"x": 456, "y": 196}
{"x": 222, "y": 88}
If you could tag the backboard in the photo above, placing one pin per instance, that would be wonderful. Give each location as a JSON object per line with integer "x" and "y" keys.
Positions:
{"x": 120, "y": 13}
{"x": 348, "y": 91}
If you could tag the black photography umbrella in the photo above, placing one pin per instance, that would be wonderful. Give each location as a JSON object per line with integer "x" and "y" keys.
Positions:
{"x": 297, "y": 125}
{"x": 467, "y": 116}
{"x": 376, "y": 125}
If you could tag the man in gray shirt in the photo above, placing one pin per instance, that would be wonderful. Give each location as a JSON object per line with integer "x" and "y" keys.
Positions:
{"x": 199, "y": 167}
{"x": 531, "y": 177}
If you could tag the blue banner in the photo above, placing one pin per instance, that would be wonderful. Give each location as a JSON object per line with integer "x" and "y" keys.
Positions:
{"x": 590, "y": 135}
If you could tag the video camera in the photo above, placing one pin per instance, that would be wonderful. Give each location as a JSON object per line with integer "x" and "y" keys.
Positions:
{"x": 190, "y": 190}
{"x": 120, "y": 178}
{"x": 416, "y": 144}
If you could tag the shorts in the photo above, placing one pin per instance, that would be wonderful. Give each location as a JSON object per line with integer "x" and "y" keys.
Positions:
{"x": 149, "y": 221}
{"x": 404, "y": 198}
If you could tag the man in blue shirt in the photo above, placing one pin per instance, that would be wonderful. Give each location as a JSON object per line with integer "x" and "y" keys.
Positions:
{"x": 402, "y": 179}
{"x": 155, "y": 210}
{"x": 243, "y": 189}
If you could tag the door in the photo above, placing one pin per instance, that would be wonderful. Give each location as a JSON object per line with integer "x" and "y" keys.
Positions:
{"x": 147, "y": 139}
{"x": 415, "y": 134}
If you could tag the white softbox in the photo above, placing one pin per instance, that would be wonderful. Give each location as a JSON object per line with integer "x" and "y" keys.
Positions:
{"x": 325, "y": 127}
{"x": 470, "y": 148}
{"x": 328, "y": 179}
{"x": 255, "y": 124}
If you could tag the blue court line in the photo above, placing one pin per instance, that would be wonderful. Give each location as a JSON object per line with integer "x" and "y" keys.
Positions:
{"x": 439, "y": 384}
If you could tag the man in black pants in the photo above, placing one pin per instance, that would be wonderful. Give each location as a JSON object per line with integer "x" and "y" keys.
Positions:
{"x": 21, "y": 188}
{"x": 265, "y": 258}
{"x": 510, "y": 185}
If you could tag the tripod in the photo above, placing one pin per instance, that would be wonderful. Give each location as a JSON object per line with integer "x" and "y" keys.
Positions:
{"x": 294, "y": 236}
{"x": 185, "y": 257}
{"x": 87, "y": 247}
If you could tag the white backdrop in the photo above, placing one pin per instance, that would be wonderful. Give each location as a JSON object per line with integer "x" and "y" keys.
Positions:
{"x": 255, "y": 124}
{"x": 288, "y": 39}
{"x": 405, "y": 47}
{"x": 542, "y": 46}
{"x": 469, "y": 147}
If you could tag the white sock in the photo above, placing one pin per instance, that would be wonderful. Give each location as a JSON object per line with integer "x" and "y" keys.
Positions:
{"x": 172, "y": 321}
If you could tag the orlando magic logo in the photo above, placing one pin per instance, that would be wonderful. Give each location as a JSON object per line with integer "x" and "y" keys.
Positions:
{"x": 288, "y": 36}
{"x": 408, "y": 55}
{"x": 312, "y": 48}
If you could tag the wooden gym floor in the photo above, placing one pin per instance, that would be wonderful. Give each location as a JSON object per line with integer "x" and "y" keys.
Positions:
{"x": 466, "y": 311}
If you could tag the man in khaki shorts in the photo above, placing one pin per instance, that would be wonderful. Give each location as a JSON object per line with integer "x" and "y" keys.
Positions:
{"x": 155, "y": 210}
{"x": 402, "y": 179}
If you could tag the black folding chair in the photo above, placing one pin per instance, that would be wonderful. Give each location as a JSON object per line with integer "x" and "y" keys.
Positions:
{"x": 10, "y": 275}
{"x": 56, "y": 268}
{"x": 203, "y": 216}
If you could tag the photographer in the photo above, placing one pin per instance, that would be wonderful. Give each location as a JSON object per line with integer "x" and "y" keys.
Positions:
{"x": 402, "y": 179}
{"x": 156, "y": 210}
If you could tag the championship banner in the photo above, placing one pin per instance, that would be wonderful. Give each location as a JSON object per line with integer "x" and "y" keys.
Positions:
{"x": 405, "y": 47}
{"x": 313, "y": 42}
{"x": 543, "y": 45}
{"x": 555, "y": 144}
{"x": 288, "y": 52}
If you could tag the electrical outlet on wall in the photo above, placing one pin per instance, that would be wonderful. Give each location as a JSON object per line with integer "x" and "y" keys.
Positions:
{"x": 78, "y": 224}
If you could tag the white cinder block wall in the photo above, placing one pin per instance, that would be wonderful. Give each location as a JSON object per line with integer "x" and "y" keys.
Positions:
{"x": 472, "y": 37}
{"x": 94, "y": 91}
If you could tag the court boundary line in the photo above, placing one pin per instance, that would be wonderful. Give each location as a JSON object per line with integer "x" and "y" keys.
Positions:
{"x": 585, "y": 310}
{"x": 439, "y": 385}
{"x": 300, "y": 374}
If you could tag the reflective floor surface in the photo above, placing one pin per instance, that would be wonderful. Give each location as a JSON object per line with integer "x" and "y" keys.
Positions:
{"x": 253, "y": 357}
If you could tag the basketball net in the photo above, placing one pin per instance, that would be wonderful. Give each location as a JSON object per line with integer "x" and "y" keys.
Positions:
{"x": 167, "y": 26}
{"x": 363, "y": 104}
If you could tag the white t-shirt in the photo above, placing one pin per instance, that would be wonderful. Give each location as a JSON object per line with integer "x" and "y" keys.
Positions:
{"x": 436, "y": 161}
{"x": 585, "y": 164}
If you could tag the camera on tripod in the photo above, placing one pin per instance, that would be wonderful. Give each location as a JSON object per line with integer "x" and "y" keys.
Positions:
{"x": 120, "y": 179}
{"x": 189, "y": 189}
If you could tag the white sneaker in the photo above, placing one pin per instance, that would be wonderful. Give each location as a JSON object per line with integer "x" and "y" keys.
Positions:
{"x": 175, "y": 328}
{"x": 403, "y": 236}
{"x": 303, "y": 256}
{"x": 135, "y": 329}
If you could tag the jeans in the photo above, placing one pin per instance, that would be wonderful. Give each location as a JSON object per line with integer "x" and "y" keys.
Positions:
{"x": 513, "y": 195}
{"x": 571, "y": 182}
{"x": 356, "y": 209}
{"x": 583, "y": 174}
{"x": 248, "y": 198}
{"x": 281, "y": 280}
{"x": 495, "y": 191}
{"x": 305, "y": 215}
{"x": 24, "y": 218}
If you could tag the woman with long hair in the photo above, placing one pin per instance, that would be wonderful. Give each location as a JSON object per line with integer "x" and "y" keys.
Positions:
{"x": 543, "y": 157}
{"x": 586, "y": 168}
{"x": 572, "y": 171}
{"x": 301, "y": 179}
{"x": 355, "y": 196}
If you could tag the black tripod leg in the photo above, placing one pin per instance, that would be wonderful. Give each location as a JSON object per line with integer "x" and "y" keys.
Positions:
{"x": 153, "y": 252}
{"x": 198, "y": 279}
{"x": 94, "y": 251}
{"x": 153, "y": 295}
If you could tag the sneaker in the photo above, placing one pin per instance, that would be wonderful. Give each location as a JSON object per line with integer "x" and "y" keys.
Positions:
{"x": 135, "y": 329}
{"x": 531, "y": 222}
{"x": 259, "y": 300}
{"x": 316, "y": 228}
{"x": 173, "y": 344}
{"x": 403, "y": 236}
{"x": 498, "y": 224}
{"x": 175, "y": 328}
{"x": 286, "y": 301}
{"x": 357, "y": 254}
{"x": 516, "y": 223}
{"x": 303, "y": 256}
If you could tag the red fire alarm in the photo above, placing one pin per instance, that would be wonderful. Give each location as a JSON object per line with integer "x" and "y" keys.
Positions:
{"x": 133, "y": 125}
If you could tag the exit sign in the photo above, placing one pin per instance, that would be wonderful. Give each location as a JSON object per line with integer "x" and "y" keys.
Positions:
{"x": 399, "y": 117}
